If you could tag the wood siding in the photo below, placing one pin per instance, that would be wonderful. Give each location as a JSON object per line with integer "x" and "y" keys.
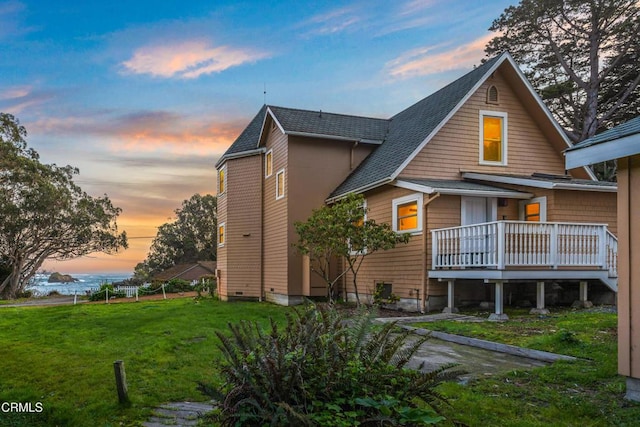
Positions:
{"x": 316, "y": 167}
{"x": 583, "y": 206}
{"x": 243, "y": 227}
{"x": 456, "y": 146}
{"x": 274, "y": 240}
{"x": 221, "y": 256}
{"x": 628, "y": 262}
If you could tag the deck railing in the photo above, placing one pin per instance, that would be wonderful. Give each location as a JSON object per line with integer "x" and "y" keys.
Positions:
{"x": 502, "y": 244}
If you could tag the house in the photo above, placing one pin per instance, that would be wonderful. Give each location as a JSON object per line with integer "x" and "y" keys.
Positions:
{"x": 623, "y": 144}
{"x": 191, "y": 272}
{"x": 475, "y": 173}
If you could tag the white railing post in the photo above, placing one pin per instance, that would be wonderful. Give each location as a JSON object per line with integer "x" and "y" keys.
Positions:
{"x": 434, "y": 249}
{"x": 602, "y": 247}
{"x": 553, "y": 249}
{"x": 501, "y": 246}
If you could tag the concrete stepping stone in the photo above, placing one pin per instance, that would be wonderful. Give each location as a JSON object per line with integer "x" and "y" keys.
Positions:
{"x": 178, "y": 414}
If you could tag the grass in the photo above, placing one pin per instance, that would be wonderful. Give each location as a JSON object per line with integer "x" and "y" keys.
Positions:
{"x": 63, "y": 357}
{"x": 584, "y": 393}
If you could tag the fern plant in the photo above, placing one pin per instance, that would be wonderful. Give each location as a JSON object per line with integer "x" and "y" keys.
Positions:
{"x": 323, "y": 368}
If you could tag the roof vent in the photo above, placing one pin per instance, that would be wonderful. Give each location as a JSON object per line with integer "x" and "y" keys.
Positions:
{"x": 492, "y": 95}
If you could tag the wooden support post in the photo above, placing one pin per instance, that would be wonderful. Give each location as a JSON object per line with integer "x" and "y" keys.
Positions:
{"x": 121, "y": 381}
{"x": 540, "y": 309}
{"x": 499, "y": 314}
{"x": 164, "y": 294}
{"x": 75, "y": 297}
{"x": 583, "y": 301}
{"x": 106, "y": 293}
{"x": 450, "y": 308}
{"x": 136, "y": 294}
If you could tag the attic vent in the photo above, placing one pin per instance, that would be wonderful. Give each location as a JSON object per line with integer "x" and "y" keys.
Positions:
{"x": 492, "y": 95}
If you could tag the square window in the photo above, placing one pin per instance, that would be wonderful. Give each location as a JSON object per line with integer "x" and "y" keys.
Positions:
{"x": 280, "y": 184}
{"x": 407, "y": 214}
{"x": 493, "y": 138}
{"x": 268, "y": 164}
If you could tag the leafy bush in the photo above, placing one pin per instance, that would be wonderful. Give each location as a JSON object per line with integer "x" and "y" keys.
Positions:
{"x": 101, "y": 293}
{"x": 177, "y": 285}
{"x": 324, "y": 369}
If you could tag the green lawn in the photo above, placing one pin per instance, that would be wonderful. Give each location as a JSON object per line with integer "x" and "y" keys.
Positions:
{"x": 63, "y": 356}
{"x": 584, "y": 393}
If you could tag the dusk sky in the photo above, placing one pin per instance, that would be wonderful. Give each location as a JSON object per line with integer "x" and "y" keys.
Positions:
{"x": 144, "y": 96}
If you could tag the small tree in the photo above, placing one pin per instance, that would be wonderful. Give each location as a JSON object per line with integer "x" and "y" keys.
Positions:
{"x": 342, "y": 231}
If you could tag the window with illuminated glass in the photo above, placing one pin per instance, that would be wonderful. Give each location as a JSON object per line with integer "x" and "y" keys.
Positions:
{"x": 221, "y": 180}
{"x": 280, "y": 184}
{"x": 407, "y": 214}
{"x": 493, "y": 138}
{"x": 221, "y": 234}
{"x": 532, "y": 212}
{"x": 268, "y": 164}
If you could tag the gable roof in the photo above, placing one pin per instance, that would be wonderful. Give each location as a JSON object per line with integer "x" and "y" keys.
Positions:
{"x": 321, "y": 124}
{"x": 246, "y": 143}
{"x": 410, "y": 129}
{"x": 620, "y": 141}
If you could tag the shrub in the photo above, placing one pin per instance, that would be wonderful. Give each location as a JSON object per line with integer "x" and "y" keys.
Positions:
{"x": 324, "y": 369}
{"x": 100, "y": 294}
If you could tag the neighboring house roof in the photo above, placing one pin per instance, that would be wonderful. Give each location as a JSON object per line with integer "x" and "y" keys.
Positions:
{"x": 620, "y": 141}
{"x": 539, "y": 180}
{"x": 189, "y": 272}
{"x": 330, "y": 125}
{"x": 457, "y": 187}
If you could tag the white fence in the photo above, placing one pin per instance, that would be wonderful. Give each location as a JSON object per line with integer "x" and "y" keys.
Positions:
{"x": 501, "y": 244}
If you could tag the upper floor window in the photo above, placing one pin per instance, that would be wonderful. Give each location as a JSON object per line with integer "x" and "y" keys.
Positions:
{"x": 493, "y": 138}
{"x": 280, "y": 184}
{"x": 268, "y": 164}
{"x": 222, "y": 183}
{"x": 407, "y": 214}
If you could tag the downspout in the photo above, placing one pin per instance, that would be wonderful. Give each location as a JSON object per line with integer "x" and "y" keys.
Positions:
{"x": 424, "y": 251}
{"x": 262, "y": 295}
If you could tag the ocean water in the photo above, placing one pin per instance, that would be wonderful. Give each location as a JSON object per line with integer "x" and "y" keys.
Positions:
{"x": 86, "y": 282}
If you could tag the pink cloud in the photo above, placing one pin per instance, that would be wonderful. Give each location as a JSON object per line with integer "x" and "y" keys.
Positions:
{"x": 425, "y": 61}
{"x": 188, "y": 59}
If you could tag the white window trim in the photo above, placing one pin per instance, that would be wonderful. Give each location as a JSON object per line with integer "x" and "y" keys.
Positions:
{"x": 266, "y": 172}
{"x": 505, "y": 142}
{"x": 400, "y": 201}
{"x": 224, "y": 170}
{"x": 281, "y": 171}
{"x": 223, "y": 226}
{"x": 543, "y": 207}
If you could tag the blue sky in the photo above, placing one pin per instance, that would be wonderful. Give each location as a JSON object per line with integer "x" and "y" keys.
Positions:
{"x": 144, "y": 96}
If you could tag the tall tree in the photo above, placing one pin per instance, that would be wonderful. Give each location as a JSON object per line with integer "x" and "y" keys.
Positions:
{"x": 45, "y": 215}
{"x": 342, "y": 231}
{"x": 581, "y": 56}
{"x": 191, "y": 237}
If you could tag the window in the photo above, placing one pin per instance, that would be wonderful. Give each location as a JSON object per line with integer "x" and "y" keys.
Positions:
{"x": 534, "y": 210}
{"x": 268, "y": 164}
{"x": 493, "y": 138}
{"x": 221, "y": 234}
{"x": 407, "y": 214}
{"x": 222, "y": 184}
{"x": 280, "y": 184}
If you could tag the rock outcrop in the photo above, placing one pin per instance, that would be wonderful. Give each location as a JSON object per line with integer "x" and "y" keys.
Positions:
{"x": 61, "y": 278}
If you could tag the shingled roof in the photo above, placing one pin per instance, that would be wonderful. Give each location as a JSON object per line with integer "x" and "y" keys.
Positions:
{"x": 623, "y": 130}
{"x": 409, "y": 129}
{"x": 248, "y": 139}
{"x": 323, "y": 124}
